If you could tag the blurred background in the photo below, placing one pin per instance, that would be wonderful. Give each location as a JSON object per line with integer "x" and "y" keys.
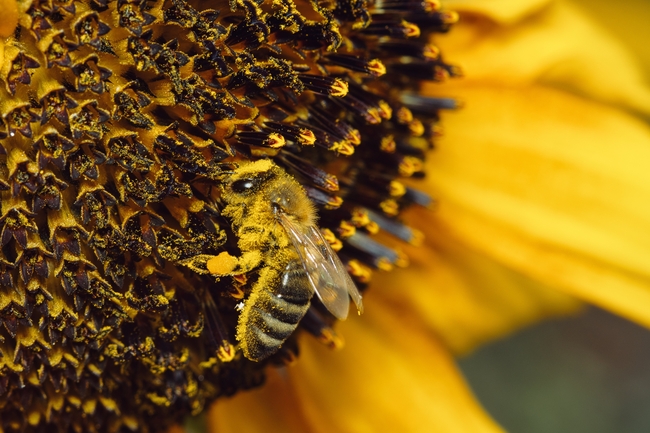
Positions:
{"x": 589, "y": 373}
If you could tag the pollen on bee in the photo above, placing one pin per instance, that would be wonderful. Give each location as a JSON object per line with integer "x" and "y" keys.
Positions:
{"x": 221, "y": 264}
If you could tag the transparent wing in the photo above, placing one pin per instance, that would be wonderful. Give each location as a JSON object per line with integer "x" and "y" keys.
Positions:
{"x": 324, "y": 269}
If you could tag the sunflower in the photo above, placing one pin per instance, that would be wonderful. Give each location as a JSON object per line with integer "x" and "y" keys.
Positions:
{"x": 542, "y": 188}
{"x": 181, "y": 177}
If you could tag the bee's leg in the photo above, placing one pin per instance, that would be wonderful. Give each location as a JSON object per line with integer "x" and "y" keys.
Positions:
{"x": 225, "y": 264}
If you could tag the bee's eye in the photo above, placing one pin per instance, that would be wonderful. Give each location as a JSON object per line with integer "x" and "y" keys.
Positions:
{"x": 243, "y": 185}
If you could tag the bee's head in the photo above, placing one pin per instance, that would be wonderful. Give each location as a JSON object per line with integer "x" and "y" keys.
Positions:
{"x": 264, "y": 186}
{"x": 248, "y": 178}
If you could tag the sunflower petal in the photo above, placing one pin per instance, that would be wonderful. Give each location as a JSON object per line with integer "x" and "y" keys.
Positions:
{"x": 553, "y": 186}
{"x": 393, "y": 375}
{"x": 556, "y": 45}
{"x": 9, "y": 19}
{"x": 502, "y": 11}
{"x": 464, "y": 296}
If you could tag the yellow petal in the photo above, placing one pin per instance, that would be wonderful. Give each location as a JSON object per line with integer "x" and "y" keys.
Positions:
{"x": 556, "y": 45}
{"x": 553, "y": 186}
{"x": 464, "y": 296}
{"x": 392, "y": 376}
{"x": 9, "y": 19}
{"x": 503, "y": 11}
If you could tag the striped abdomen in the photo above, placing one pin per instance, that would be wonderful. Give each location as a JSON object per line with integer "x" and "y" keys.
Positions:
{"x": 273, "y": 310}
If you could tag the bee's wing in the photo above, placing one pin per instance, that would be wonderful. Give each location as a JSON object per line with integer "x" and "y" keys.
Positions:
{"x": 324, "y": 269}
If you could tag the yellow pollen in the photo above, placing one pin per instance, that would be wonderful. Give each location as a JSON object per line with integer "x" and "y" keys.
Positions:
{"x": 346, "y": 229}
{"x": 416, "y": 127}
{"x": 331, "y": 239}
{"x": 410, "y": 165}
{"x": 339, "y": 88}
{"x": 396, "y": 188}
{"x": 449, "y": 17}
{"x": 388, "y": 144}
{"x": 385, "y": 111}
{"x": 402, "y": 259}
{"x": 372, "y": 228}
{"x": 376, "y": 67}
{"x": 373, "y": 116}
{"x": 275, "y": 140}
{"x": 306, "y": 137}
{"x": 411, "y": 30}
{"x": 334, "y": 202}
{"x": 222, "y": 264}
{"x": 431, "y": 5}
{"x": 360, "y": 217}
{"x": 440, "y": 74}
{"x": 360, "y": 272}
{"x": 343, "y": 147}
{"x": 389, "y": 207}
{"x": 417, "y": 238}
{"x": 331, "y": 183}
{"x": 384, "y": 264}
{"x": 431, "y": 52}
{"x": 226, "y": 352}
{"x": 354, "y": 137}
{"x": 404, "y": 116}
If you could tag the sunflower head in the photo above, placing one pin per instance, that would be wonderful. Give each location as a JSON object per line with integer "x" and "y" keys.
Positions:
{"x": 120, "y": 123}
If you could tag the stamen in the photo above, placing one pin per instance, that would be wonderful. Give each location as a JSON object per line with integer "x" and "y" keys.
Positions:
{"x": 322, "y": 199}
{"x": 359, "y": 272}
{"x": 217, "y": 331}
{"x": 262, "y": 139}
{"x": 426, "y": 105}
{"x": 386, "y": 25}
{"x": 294, "y": 133}
{"x": 397, "y": 229}
{"x": 315, "y": 325}
{"x": 331, "y": 239}
{"x": 354, "y": 63}
{"x": 336, "y": 127}
{"x": 324, "y": 85}
{"x": 346, "y": 230}
{"x": 405, "y": 6}
{"x": 317, "y": 176}
{"x": 418, "y": 197}
{"x": 381, "y": 254}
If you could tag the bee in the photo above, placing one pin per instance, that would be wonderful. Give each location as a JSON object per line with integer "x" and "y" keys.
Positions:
{"x": 275, "y": 223}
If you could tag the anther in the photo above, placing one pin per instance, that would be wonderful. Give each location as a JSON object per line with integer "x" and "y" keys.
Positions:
{"x": 317, "y": 176}
{"x": 294, "y": 133}
{"x": 354, "y": 63}
{"x": 359, "y": 272}
{"x": 320, "y": 198}
{"x": 273, "y": 140}
{"x": 324, "y": 85}
{"x": 331, "y": 239}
